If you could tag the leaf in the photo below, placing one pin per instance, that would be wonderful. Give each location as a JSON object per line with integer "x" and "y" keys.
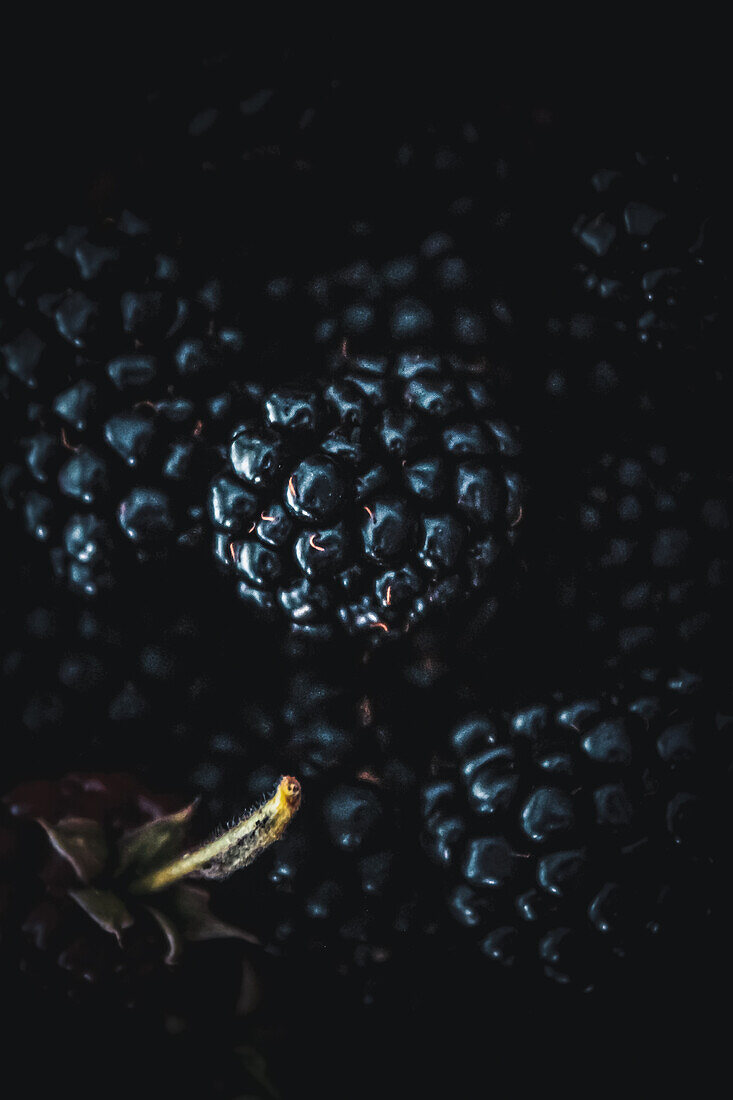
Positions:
{"x": 196, "y": 922}
{"x": 171, "y": 933}
{"x": 154, "y": 842}
{"x": 104, "y": 907}
{"x": 82, "y": 842}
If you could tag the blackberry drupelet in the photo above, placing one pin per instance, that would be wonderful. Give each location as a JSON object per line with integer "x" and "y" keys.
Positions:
{"x": 570, "y": 831}
{"x": 115, "y": 358}
{"x": 386, "y": 491}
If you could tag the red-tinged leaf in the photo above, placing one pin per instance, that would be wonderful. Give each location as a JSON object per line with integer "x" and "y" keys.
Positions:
{"x": 189, "y": 907}
{"x": 105, "y": 908}
{"x": 80, "y": 841}
{"x": 172, "y": 935}
{"x": 36, "y": 799}
{"x": 155, "y": 842}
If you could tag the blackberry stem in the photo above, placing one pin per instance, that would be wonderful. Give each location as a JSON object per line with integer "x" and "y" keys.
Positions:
{"x": 233, "y": 849}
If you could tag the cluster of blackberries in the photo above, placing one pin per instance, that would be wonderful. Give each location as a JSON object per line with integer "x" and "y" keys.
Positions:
{"x": 353, "y": 445}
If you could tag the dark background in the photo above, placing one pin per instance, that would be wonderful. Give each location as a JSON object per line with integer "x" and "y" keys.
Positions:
{"x": 74, "y": 112}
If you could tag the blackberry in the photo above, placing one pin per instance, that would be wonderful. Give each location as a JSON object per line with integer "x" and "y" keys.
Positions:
{"x": 131, "y": 680}
{"x": 626, "y": 289}
{"x": 432, "y": 265}
{"x": 642, "y": 565}
{"x": 435, "y": 295}
{"x": 345, "y": 896}
{"x": 569, "y": 831}
{"x": 651, "y": 252}
{"x": 115, "y": 360}
{"x": 366, "y": 500}
{"x": 171, "y": 691}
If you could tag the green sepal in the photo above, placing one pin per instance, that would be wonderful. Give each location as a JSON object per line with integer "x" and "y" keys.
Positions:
{"x": 80, "y": 841}
{"x": 105, "y": 908}
{"x": 172, "y": 935}
{"x": 154, "y": 843}
{"x": 189, "y": 910}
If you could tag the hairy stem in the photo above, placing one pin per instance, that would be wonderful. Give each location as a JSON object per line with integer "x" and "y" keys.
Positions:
{"x": 235, "y": 848}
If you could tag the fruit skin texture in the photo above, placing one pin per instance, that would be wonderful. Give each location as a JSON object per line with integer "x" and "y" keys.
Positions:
{"x": 571, "y": 830}
{"x": 69, "y": 918}
{"x": 114, "y": 351}
{"x": 641, "y": 561}
{"x": 343, "y": 897}
{"x": 649, "y": 249}
{"x": 387, "y": 491}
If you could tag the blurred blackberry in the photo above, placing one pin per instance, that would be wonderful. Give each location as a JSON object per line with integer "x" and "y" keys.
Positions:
{"x": 588, "y": 366}
{"x": 346, "y": 893}
{"x": 433, "y": 266}
{"x": 224, "y": 141}
{"x": 311, "y": 147}
{"x": 366, "y": 500}
{"x": 115, "y": 358}
{"x": 131, "y": 681}
{"x": 626, "y": 296}
{"x": 223, "y": 111}
{"x": 93, "y": 690}
{"x": 652, "y": 252}
{"x": 572, "y": 830}
{"x": 431, "y": 297}
{"x": 642, "y": 565}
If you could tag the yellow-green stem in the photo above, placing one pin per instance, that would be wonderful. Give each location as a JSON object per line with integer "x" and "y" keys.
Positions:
{"x": 235, "y": 848}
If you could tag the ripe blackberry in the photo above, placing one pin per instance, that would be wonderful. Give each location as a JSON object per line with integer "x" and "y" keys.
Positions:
{"x": 432, "y": 265}
{"x": 650, "y": 249}
{"x": 434, "y": 296}
{"x": 167, "y": 690}
{"x": 345, "y": 896}
{"x": 569, "y": 830}
{"x": 367, "y": 500}
{"x": 115, "y": 360}
{"x": 134, "y": 680}
{"x": 307, "y": 149}
{"x": 642, "y": 565}
{"x": 626, "y": 295}
{"x": 347, "y": 892}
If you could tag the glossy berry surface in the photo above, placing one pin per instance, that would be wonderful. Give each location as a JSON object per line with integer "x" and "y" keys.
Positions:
{"x": 648, "y": 249}
{"x": 113, "y": 364}
{"x": 347, "y": 894}
{"x": 387, "y": 491}
{"x": 349, "y": 287}
{"x": 571, "y": 831}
